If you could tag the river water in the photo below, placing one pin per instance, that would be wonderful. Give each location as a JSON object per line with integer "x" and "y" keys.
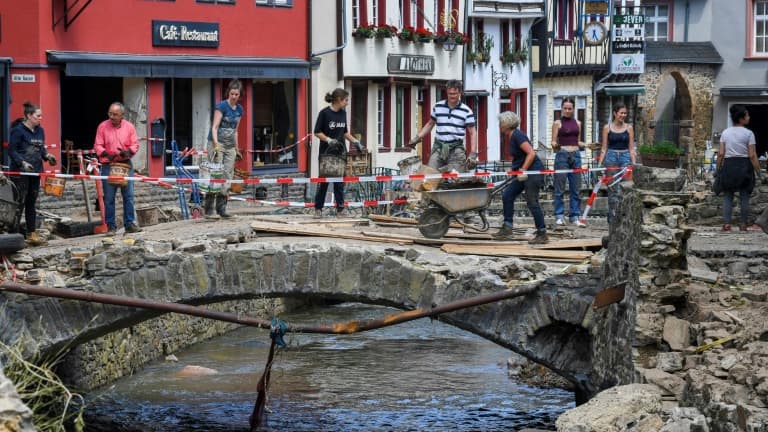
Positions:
{"x": 418, "y": 376}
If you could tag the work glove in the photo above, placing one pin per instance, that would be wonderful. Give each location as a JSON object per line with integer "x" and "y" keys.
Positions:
{"x": 472, "y": 160}
{"x": 522, "y": 177}
{"x": 238, "y": 155}
{"x": 125, "y": 154}
{"x": 26, "y": 166}
{"x": 3, "y": 180}
{"x": 415, "y": 140}
{"x": 358, "y": 146}
{"x": 109, "y": 157}
{"x": 51, "y": 159}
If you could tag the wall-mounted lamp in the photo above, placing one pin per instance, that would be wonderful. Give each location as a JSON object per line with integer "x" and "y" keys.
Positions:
{"x": 449, "y": 44}
{"x": 498, "y": 80}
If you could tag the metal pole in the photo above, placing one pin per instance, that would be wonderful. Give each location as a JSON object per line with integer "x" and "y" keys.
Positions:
{"x": 339, "y": 328}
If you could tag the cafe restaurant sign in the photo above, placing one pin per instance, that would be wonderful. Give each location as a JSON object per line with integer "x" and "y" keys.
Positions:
{"x": 411, "y": 64}
{"x": 185, "y": 33}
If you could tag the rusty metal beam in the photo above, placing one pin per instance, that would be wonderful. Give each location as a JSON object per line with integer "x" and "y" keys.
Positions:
{"x": 339, "y": 328}
{"x": 609, "y": 296}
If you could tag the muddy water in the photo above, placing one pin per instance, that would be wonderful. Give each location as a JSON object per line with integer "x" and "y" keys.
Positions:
{"x": 418, "y": 376}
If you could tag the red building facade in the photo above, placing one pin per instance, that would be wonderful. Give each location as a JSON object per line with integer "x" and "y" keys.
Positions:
{"x": 169, "y": 62}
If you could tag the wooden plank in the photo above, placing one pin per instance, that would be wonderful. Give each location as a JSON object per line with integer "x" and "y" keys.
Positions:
{"x": 609, "y": 296}
{"x": 319, "y": 232}
{"x": 516, "y": 250}
{"x": 303, "y": 220}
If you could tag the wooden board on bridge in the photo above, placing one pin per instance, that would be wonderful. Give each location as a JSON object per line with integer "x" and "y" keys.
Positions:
{"x": 522, "y": 251}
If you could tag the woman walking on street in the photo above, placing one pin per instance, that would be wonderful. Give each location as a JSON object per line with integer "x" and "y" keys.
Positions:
{"x": 737, "y": 165}
{"x": 566, "y": 144}
{"x": 331, "y": 128}
{"x": 222, "y": 147}
{"x": 27, "y": 153}
{"x": 618, "y": 150}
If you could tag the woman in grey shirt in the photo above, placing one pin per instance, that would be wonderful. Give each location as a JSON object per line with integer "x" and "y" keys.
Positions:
{"x": 737, "y": 165}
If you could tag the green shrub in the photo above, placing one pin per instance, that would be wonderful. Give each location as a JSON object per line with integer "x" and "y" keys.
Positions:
{"x": 665, "y": 148}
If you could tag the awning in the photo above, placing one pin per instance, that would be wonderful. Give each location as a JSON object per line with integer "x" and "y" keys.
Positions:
{"x": 178, "y": 66}
{"x": 744, "y": 91}
{"x": 479, "y": 93}
{"x": 621, "y": 89}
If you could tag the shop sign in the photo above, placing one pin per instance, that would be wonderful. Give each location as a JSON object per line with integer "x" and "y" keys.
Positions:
{"x": 185, "y": 33}
{"x": 411, "y": 64}
{"x": 629, "y": 19}
{"x": 596, "y": 7}
{"x": 23, "y": 78}
{"x": 622, "y": 33}
{"x": 628, "y": 63}
{"x": 628, "y": 46}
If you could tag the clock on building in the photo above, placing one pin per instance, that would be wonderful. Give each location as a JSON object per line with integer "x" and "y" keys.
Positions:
{"x": 594, "y": 33}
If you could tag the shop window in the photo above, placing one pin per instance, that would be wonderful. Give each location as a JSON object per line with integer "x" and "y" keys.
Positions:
{"x": 359, "y": 102}
{"x": 380, "y": 116}
{"x": 402, "y": 115}
{"x": 274, "y": 3}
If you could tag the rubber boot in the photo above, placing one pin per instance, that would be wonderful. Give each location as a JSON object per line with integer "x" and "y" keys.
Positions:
{"x": 762, "y": 221}
{"x": 208, "y": 203}
{"x": 221, "y": 207}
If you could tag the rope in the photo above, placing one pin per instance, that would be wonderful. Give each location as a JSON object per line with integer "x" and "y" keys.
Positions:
{"x": 276, "y": 331}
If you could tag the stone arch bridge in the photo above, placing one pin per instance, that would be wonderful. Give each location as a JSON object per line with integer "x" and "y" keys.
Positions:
{"x": 555, "y": 326}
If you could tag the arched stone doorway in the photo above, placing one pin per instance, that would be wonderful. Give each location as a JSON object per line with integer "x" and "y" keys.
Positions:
{"x": 673, "y": 115}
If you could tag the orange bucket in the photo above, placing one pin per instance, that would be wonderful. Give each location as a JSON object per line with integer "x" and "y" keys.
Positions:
{"x": 54, "y": 186}
{"x": 119, "y": 169}
{"x": 238, "y": 187}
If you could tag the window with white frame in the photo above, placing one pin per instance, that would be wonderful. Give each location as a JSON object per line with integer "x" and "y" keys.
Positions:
{"x": 656, "y": 21}
{"x": 217, "y": 1}
{"x": 760, "y": 27}
{"x": 563, "y": 14}
{"x": 356, "y": 13}
{"x": 375, "y": 13}
{"x": 275, "y": 3}
{"x": 380, "y": 116}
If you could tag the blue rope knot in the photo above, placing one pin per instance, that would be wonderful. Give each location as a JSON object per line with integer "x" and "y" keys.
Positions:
{"x": 277, "y": 330}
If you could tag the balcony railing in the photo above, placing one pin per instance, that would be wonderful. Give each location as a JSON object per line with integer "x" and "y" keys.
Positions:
{"x": 565, "y": 57}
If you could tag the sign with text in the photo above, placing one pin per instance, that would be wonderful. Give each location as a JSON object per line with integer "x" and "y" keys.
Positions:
{"x": 628, "y": 63}
{"x": 623, "y": 33}
{"x": 411, "y": 64}
{"x": 596, "y": 7}
{"x": 185, "y": 33}
{"x": 23, "y": 78}
{"x": 629, "y": 19}
{"x": 628, "y": 46}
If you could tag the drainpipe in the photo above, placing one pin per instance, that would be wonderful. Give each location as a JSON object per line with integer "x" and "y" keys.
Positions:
{"x": 687, "y": 20}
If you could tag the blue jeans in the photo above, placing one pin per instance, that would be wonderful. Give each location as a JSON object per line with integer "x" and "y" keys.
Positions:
{"x": 129, "y": 215}
{"x": 531, "y": 188}
{"x": 567, "y": 160}
{"x": 743, "y": 206}
{"x": 614, "y": 159}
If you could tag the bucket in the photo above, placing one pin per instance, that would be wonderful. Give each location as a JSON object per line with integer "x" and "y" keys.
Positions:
{"x": 211, "y": 171}
{"x": 54, "y": 186}
{"x": 238, "y": 187}
{"x": 148, "y": 216}
{"x": 119, "y": 169}
{"x": 409, "y": 165}
{"x": 332, "y": 166}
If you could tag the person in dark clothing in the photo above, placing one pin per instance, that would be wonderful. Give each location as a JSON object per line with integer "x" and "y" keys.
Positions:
{"x": 27, "y": 153}
{"x": 523, "y": 158}
{"x": 331, "y": 129}
{"x": 737, "y": 165}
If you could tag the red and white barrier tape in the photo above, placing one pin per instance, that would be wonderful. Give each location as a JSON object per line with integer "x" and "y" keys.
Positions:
{"x": 283, "y": 149}
{"x": 609, "y": 180}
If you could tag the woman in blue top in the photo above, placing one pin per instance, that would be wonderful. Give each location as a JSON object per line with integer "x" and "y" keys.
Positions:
{"x": 523, "y": 159}
{"x": 331, "y": 129}
{"x": 27, "y": 152}
{"x": 618, "y": 150}
{"x": 222, "y": 146}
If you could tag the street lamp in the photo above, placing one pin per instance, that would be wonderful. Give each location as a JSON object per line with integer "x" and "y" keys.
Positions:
{"x": 450, "y": 43}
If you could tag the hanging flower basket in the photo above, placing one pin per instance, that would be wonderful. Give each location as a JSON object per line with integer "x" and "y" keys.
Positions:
{"x": 386, "y": 31}
{"x": 406, "y": 34}
{"x": 423, "y": 35}
{"x": 364, "y": 32}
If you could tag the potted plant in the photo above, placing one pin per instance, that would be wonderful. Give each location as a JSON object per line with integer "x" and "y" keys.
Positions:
{"x": 508, "y": 56}
{"x": 423, "y": 35}
{"x": 386, "y": 31}
{"x": 663, "y": 154}
{"x": 483, "y": 45}
{"x": 406, "y": 33}
{"x": 521, "y": 55}
{"x": 365, "y": 32}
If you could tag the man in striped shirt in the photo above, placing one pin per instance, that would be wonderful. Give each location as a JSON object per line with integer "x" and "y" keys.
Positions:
{"x": 454, "y": 121}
